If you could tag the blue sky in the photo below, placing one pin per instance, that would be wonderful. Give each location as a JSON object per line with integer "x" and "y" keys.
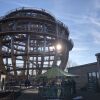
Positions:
{"x": 81, "y": 16}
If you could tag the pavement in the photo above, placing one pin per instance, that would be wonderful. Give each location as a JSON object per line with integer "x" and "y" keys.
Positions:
{"x": 29, "y": 94}
{"x": 87, "y": 95}
{"x": 32, "y": 94}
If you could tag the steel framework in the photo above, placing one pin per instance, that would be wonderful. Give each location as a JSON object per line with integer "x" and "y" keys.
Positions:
{"x": 28, "y": 39}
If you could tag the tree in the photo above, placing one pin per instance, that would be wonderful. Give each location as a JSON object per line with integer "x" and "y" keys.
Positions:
{"x": 70, "y": 63}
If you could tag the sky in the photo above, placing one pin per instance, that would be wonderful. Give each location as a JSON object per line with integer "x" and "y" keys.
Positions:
{"x": 82, "y": 18}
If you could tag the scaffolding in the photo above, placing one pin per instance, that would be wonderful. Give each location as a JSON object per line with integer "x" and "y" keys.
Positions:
{"x": 28, "y": 39}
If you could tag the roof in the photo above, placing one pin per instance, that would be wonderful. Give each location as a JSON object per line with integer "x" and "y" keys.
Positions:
{"x": 85, "y": 65}
{"x": 57, "y": 72}
{"x": 97, "y": 54}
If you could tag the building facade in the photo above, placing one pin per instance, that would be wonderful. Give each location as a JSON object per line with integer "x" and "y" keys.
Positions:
{"x": 89, "y": 75}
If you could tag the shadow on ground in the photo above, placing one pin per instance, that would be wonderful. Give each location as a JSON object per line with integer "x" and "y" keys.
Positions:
{"x": 88, "y": 95}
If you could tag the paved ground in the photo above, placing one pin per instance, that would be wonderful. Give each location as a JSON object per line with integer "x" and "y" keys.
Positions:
{"x": 32, "y": 94}
{"x": 88, "y": 95}
{"x": 29, "y": 94}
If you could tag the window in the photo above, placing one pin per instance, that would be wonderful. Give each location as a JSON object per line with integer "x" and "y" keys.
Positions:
{"x": 90, "y": 74}
{"x": 94, "y": 74}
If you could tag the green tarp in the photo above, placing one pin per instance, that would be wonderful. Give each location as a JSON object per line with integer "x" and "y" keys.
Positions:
{"x": 56, "y": 72}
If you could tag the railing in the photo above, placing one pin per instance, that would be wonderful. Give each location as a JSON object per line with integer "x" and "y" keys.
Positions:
{"x": 61, "y": 23}
{"x": 55, "y": 92}
{"x": 25, "y": 8}
{"x": 39, "y": 30}
{"x": 31, "y": 8}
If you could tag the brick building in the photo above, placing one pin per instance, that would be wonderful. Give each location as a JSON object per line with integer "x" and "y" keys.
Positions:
{"x": 89, "y": 75}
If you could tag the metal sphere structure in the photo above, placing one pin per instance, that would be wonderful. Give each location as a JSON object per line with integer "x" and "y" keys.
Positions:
{"x": 28, "y": 41}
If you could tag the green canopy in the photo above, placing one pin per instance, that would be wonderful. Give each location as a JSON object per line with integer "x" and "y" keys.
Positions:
{"x": 57, "y": 72}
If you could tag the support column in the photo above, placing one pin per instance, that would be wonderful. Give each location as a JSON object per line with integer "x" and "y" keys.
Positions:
{"x": 25, "y": 59}
{"x": 2, "y": 67}
{"x": 37, "y": 65}
{"x": 55, "y": 59}
{"x": 56, "y": 54}
{"x": 65, "y": 55}
{"x": 43, "y": 55}
{"x": 28, "y": 50}
{"x": 13, "y": 57}
{"x": 49, "y": 57}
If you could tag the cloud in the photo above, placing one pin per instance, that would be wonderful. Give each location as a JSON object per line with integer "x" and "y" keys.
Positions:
{"x": 97, "y": 4}
{"x": 79, "y": 49}
{"x": 96, "y": 37}
{"x": 74, "y": 19}
{"x": 16, "y": 3}
{"x": 90, "y": 14}
{"x": 95, "y": 21}
{"x": 20, "y": 4}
